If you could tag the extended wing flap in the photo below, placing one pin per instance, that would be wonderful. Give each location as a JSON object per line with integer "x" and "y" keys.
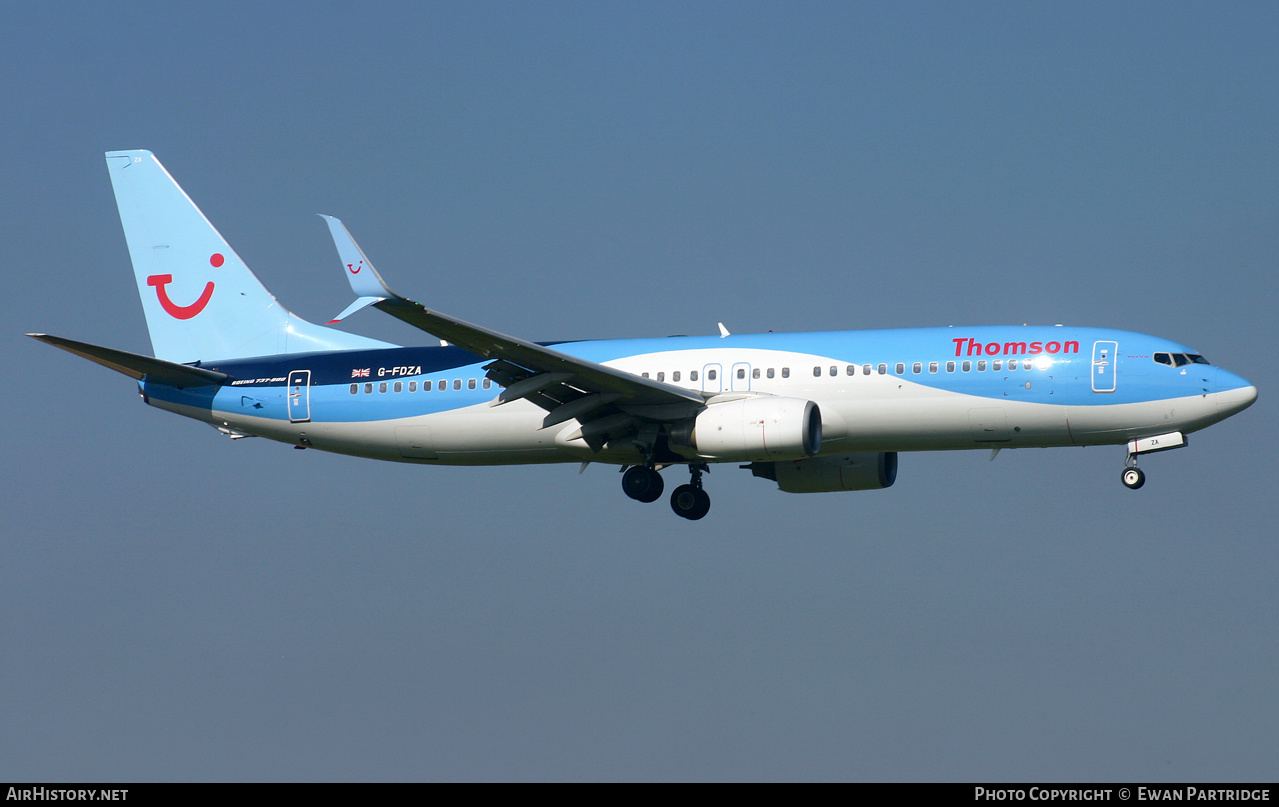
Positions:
{"x": 135, "y": 365}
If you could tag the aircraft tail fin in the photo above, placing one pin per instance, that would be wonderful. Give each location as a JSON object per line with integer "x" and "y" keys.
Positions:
{"x": 200, "y": 299}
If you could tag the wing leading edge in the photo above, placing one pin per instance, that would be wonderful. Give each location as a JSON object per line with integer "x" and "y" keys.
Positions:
{"x": 607, "y": 401}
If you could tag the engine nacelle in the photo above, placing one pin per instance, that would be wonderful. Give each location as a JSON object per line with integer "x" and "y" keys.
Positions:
{"x": 763, "y": 428}
{"x": 830, "y": 474}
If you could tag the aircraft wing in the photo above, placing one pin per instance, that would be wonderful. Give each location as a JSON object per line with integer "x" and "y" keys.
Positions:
{"x": 566, "y": 386}
{"x": 136, "y": 365}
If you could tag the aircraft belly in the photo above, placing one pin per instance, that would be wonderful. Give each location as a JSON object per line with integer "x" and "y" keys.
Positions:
{"x": 477, "y": 435}
{"x": 1117, "y": 423}
{"x": 196, "y": 412}
{"x": 933, "y": 420}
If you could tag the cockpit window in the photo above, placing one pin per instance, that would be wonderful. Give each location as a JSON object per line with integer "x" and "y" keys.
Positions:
{"x": 1179, "y": 359}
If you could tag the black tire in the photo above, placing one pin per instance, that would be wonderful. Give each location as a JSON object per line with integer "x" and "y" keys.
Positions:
{"x": 642, "y": 484}
{"x": 1133, "y": 478}
{"x": 690, "y": 502}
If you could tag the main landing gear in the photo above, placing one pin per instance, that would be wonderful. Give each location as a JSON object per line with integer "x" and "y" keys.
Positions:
{"x": 642, "y": 484}
{"x": 689, "y": 501}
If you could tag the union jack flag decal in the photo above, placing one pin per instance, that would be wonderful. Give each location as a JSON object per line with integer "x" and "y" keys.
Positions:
{"x": 360, "y": 373}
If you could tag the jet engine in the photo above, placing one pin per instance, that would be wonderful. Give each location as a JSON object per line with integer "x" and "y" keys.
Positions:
{"x": 871, "y": 471}
{"x": 763, "y": 428}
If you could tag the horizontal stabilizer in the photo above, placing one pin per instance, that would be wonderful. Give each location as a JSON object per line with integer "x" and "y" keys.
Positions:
{"x": 135, "y": 365}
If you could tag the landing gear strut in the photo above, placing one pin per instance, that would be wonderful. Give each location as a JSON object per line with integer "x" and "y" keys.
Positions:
{"x": 641, "y": 483}
{"x": 690, "y": 501}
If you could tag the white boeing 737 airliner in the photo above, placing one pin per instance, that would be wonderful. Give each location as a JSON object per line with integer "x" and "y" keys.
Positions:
{"x": 811, "y": 411}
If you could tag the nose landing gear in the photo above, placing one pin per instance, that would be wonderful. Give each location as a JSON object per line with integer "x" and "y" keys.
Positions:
{"x": 1132, "y": 477}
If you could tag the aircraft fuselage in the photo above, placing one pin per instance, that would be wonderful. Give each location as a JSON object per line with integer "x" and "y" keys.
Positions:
{"x": 891, "y": 390}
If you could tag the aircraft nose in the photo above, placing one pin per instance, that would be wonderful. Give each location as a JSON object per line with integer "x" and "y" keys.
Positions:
{"x": 1234, "y": 394}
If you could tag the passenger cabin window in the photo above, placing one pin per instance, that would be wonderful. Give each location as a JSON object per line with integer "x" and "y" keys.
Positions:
{"x": 981, "y": 366}
{"x": 399, "y": 386}
{"x": 865, "y": 369}
{"x": 997, "y": 365}
{"x": 817, "y": 371}
{"x": 741, "y": 372}
{"x": 901, "y": 369}
{"x": 834, "y": 371}
{"x": 412, "y": 386}
{"x": 381, "y": 387}
{"x": 661, "y": 376}
{"x": 932, "y": 367}
{"x": 883, "y": 368}
{"x": 917, "y": 368}
{"x": 755, "y": 373}
{"x": 457, "y": 383}
{"x": 1012, "y": 364}
{"x": 355, "y": 388}
{"x": 966, "y": 366}
{"x": 426, "y": 386}
{"x": 785, "y": 372}
{"x": 368, "y": 389}
{"x": 770, "y": 372}
{"x": 711, "y": 375}
{"x": 950, "y": 367}
{"x": 692, "y": 375}
{"x": 488, "y": 383}
{"x": 470, "y": 383}
{"x": 675, "y": 376}
{"x": 850, "y": 370}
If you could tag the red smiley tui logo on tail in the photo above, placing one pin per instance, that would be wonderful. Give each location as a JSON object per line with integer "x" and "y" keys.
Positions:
{"x": 183, "y": 311}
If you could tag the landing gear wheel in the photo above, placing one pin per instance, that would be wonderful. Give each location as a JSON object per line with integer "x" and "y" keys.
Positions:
{"x": 690, "y": 502}
{"x": 642, "y": 484}
{"x": 1133, "y": 478}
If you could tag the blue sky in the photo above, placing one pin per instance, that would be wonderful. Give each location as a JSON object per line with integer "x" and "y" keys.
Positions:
{"x": 177, "y": 606}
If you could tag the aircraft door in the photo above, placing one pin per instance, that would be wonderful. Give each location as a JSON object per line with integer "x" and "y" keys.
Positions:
{"x": 299, "y": 396}
{"x": 741, "y": 378}
{"x": 711, "y": 381}
{"x": 1103, "y": 366}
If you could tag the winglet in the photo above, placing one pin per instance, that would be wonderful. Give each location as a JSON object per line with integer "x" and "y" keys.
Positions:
{"x": 722, "y": 330}
{"x": 364, "y": 279}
